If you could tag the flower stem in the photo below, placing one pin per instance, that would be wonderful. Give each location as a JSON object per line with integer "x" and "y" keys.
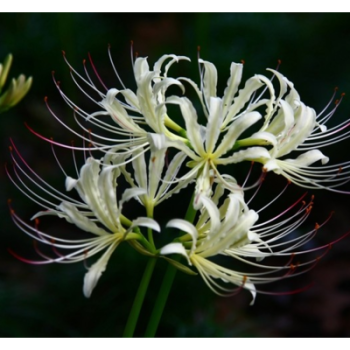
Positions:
{"x": 166, "y": 285}
{"x": 138, "y": 301}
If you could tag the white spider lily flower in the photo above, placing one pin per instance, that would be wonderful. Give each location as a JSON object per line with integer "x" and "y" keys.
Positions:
{"x": 205, "y": 148}
{"x": 213, "y": 237}
{"x": 227, "y": 119}
{"x": 232, "y": 230}
{"x": 97, "y": 213}
{"x": 289, "y": 125}
{"x": 296, "y": 127}
{"x": 134, "y": 113}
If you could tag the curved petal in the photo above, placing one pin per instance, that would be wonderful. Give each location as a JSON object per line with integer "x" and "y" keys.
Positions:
{"x": 209, "y": 80}
{"x": 269, "y": 138}
{"x": 70, "y": 183}
{"x": 233, "y": 82}
{"x": 155, "y": 169}
{"x": 74, "y": 216}
{"x": 192, "y": 127}
{"x": 251, "y": 287}
{"x": 130, "y": 193}
{"x": 175, "y": 248}
{"x": 257, "y": 154}
{"x": 119, "y": 114}
{"x": 95, "y": 271}
{"x": 283, "y": 121}
{"x": 146, "y": 222}
{"x": 95, "y": 194}
{"x": 309, "y": 158}
{"x": 305, "y": 123}
{"x": 244, "y": 95}
{"x": 214, "y": 123}
{"x": 187, "y": 227}
{"x": 235, "y": 130}
{"x": 213, "y": 212}
{"x": 139, "y": 166}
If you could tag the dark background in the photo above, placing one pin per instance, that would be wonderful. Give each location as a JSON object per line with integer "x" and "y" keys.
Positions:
{"x": 43, "y": 301}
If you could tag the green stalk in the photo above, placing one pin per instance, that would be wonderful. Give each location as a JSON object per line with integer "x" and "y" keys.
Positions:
{"x": 166, "y": 285}
{"x": 138, "y": 301}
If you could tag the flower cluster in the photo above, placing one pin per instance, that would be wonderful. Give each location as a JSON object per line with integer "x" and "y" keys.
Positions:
{"x": 135, "y": 137}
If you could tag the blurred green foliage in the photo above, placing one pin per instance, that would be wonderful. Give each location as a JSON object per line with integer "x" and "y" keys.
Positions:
{"x": 43, "y": 301}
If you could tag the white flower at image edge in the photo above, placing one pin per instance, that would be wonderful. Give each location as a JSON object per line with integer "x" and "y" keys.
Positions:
{"x": 98, "y": 213}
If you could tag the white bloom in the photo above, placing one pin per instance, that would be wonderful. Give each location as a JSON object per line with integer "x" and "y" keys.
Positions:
{"x": 98, "y": 213}
{"x": 296, "y": 127}
{"x": 227, "y": 119}
{"x": 134, "y": 113}
{"x": 212, "y": 236}
{"x": 232, "y": 230}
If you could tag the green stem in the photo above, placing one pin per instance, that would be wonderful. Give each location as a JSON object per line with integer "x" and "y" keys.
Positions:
{"x": 166, "y": 285}
{"x": 161, "y": 301}
{"x": 138, "y": 301}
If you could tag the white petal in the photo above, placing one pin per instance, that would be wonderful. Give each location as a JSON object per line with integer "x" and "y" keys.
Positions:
{"x": 175, "y": 248}
{"x": 223, "y": 239}
{"x": 130, "y": 98}
{"x": 272, "y": 165}
{"x": 214, "y": 124}
{"x": 210, "y": 80}
{"x": 232, "y": 85}
{"x": 235, "y": 130}
{"x": 171, "y": 173}
{"x": 146, "y": 222}
{"x": 70, "y": 183}
{"x": 203, "y": 186}
{"x": 141, "y": 68}
{"x": 308, "y": 158}
{"x": 140, "y": 172}
{"x": 283, "y": 121}
{"x": 305, "y": 123}
{"x": 94, "y": 193}
{"x": 74, "y": 216}
{"x": 185, "y": 226}
{"x": 95, "y": 271}
{"x": 158, "y": 65}
{"x": 251, "y": 287}
{"x": 155, "y": 169}
{"x": 118, "y": 113}
{"x": 243, "y": 97}
{"x": 107, "y": 188}
{"x": 130, "y": 193}
{"x": 258, "y": 154}
{"x": 157, "y": 141}
{"x": 214, "y": 213}
{"x": 192, "y": 127}
{"x": 265, "y": 136}
{"x": 165, "y": 83}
